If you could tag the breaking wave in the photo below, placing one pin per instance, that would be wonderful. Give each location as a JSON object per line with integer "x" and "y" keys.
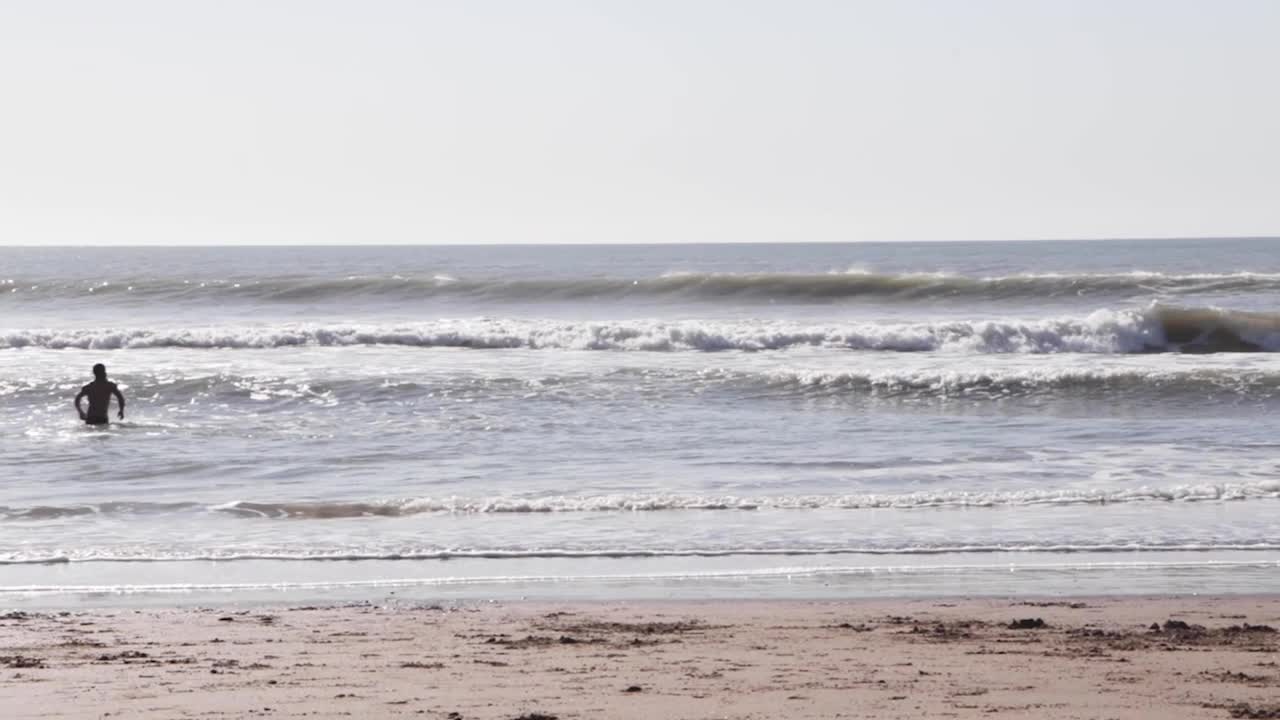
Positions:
{"x": 1158, "y": 328}
{"x": 735, "y": 287}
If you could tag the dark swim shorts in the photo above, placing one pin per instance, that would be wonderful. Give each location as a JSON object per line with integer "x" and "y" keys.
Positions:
{"x": 98, "y": 420}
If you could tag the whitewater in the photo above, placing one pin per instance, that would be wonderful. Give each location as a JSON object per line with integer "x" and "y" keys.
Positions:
{"x": 641, "y": 421}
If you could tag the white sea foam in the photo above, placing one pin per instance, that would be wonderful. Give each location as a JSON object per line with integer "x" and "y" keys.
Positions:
{"x": 1135, "y": 379}
{"x": 152, "y": 555}
{"x": 1266, "y": 489}
{"x": 1100, "y": 332}
{"x": 990, "y": 409}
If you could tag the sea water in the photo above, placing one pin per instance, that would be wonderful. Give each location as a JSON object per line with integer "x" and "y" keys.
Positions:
{"x": 641, "y": 421}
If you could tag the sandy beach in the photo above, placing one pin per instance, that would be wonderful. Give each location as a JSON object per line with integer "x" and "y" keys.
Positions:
{"x": 1193, "y": 657}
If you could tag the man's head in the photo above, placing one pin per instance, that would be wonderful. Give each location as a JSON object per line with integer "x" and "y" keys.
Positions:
{"x": 100, "y": 372}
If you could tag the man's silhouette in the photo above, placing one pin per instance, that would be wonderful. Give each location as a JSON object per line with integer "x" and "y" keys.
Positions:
{"x": 99, "y": 393}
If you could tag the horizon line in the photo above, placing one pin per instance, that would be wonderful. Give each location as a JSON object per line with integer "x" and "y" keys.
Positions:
{"x": 656, "y": 243}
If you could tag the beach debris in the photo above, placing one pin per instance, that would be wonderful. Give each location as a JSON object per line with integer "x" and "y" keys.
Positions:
{"x": 640, "y": 628}
{"x": 1256, "y": 637}
{"x": 634, "y": 689}
{"x": 1255, "y": 712}
{"x": 1234, "y": 677}
{"x": 81, "y": 642}
{"x": 947, "y": 630}
{"x": 1028, "y": 624}
{"x": 126, "y": 655}
{"x": 1247, "y": 628}
{"x": 21, "y": 662}
{"x": 1178, "y": 628}
{"x": 537, "y": 641}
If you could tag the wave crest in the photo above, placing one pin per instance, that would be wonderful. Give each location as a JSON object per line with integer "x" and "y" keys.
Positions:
{"x": 1156, "y": 329}
{"x": 711, "y": 287}
{"x": 406, "y": 507}
{"x": 1101, "y": 332}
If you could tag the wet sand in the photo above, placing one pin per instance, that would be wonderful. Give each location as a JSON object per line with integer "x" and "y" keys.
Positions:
{"x": 1193, "y": 657}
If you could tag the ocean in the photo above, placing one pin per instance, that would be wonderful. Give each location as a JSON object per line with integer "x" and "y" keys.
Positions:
{"x": 694, "y": 421}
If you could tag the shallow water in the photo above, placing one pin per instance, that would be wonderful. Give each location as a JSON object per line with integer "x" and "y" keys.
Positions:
{"x": 772, "y": 420}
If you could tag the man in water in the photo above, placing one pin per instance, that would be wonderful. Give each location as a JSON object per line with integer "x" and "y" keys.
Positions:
{"x": 99, "y": 393}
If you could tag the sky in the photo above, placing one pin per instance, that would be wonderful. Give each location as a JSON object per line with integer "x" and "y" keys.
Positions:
{"x": 521, "y": 121}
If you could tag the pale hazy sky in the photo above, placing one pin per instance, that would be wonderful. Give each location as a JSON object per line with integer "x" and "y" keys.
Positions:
{"x": 390, "y": 121}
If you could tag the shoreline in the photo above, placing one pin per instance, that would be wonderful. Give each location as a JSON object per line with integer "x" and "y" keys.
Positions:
{"x": 88, "y": 585}
{"x": 1207, "y": 656}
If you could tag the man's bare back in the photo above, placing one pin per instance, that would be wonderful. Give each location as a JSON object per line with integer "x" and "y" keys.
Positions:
{"x": 99, "y": 393}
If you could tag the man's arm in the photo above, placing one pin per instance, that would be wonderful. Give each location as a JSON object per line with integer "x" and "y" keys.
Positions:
{"x": 119, "y": 399}
{"x": 78, "y": 398}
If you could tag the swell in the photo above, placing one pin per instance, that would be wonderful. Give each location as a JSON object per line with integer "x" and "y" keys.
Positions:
{"x": 1155, "y": 385}
{"x": 1158, "y": 328}
{"x": 408, "y": 507}
{"x": 1150, "y": 385}
{"x": 711, "y": 287}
